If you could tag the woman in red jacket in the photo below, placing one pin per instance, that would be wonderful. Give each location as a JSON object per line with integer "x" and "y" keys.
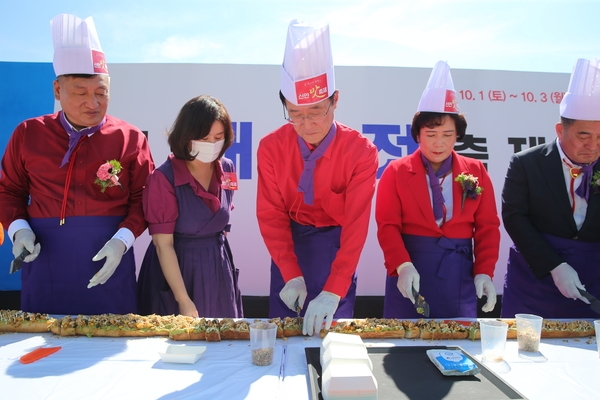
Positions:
{"x": 436, "y": 215}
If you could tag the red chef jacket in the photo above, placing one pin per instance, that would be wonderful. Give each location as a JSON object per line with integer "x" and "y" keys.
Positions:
{"x": 30, "y": 167}
{"x": 403, "y": 206}
{"x": 344, "y": 183}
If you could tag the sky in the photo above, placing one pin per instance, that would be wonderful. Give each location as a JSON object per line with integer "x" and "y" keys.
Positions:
{"x": 521, "y": 35}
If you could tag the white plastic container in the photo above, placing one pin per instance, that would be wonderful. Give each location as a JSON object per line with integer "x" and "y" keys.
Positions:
{"x": 343, "y": 338}
{"x": 340, "y": 340}
{"x": 182, "y": 354}
{"x": 341, "y": 354}
{"x": 348, "y": 381}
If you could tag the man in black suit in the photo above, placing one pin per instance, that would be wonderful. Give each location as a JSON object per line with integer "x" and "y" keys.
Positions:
{"x": 551, "y": 210}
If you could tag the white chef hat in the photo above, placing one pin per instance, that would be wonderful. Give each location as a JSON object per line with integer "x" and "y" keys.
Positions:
{"x": 582, "y": 100}
{"x": 76, "y": 46}
{"x": 439, "y": 95}
{"x": 307, "y": 72}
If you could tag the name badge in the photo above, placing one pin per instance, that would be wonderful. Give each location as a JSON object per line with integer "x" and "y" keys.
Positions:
{"x": 230, "y": 181}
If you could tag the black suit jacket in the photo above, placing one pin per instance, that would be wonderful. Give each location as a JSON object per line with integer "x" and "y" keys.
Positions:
{"x": 535, "y": 200}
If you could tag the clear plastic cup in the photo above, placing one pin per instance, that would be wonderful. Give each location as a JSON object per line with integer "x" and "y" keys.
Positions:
{"x": 262, "y": 342}
{"x": 597, "y": 327}
{"x": 529, "y": 332}
{"x": 493, "y": 340}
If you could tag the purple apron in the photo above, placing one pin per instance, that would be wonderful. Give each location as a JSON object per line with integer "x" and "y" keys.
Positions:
{"x": 525, "y": 293}
{"x": 56, "y": 281}
{"x": 315, "y": 249}
{"x": 204, "y": 258}
{"x": 446, "y": 270}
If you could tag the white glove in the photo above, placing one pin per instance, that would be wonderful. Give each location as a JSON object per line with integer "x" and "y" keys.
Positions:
{"x": 567, "y": 281}
{"x": 25, "y": 239}
{"x": 324, "y": 305}
{"x": 484, "y": 285}
{"x": 113, "y": 250}
{"x": 294, "y": 289}
{"x": 408, "y": 277}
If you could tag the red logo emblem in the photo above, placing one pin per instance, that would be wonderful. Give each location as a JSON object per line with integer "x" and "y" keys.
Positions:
{"x": 312, "y": 90}
{"x": 450, "y": 104}
{"x": 99, "y": 61}
{"x": 229, "y": 181}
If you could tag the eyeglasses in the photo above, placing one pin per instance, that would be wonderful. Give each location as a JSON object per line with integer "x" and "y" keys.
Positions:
{"x": 298, "y": 120}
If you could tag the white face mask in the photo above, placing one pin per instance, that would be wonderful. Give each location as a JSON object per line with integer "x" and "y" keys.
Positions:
{"x": 205, "y": 151}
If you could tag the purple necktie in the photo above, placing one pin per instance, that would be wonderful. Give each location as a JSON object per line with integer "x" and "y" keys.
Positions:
{"x": 75, "y": 135}
{"x": 434, "y": 183}
{"x": 306, "y": 183}
{"x": 583, "y": 190}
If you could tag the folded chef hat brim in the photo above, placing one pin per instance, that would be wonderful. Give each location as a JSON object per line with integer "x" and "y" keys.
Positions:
{"x": 580, "y": 107}
{"x": 308, "y": 91}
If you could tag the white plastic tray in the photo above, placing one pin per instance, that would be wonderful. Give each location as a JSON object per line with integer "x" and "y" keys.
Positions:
{"x": 182, "y": 354}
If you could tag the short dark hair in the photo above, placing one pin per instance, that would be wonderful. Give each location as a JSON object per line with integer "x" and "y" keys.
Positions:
{"x": 434, "y": 119}
{"x": 85, "y": 76}
{"x": 566, "y": 122}
{"x": 194, "y": 122}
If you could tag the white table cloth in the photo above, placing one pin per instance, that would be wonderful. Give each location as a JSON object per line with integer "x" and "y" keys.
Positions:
{"x": 130, "y": 368}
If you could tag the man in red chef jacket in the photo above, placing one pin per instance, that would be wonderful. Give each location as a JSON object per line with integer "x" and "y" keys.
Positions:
{"x": 71, "y": 188}
{"x": 316, "y": 179}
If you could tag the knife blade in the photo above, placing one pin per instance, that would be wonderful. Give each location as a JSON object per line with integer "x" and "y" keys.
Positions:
{"x": 297, "y": 307}
{"x": 594, "y": 302}
{"x": 17, "y": 263}
{"x": 420, "y": 304}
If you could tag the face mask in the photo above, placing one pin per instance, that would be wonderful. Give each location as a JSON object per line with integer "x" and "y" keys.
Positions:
{"x": 205, "y": 151}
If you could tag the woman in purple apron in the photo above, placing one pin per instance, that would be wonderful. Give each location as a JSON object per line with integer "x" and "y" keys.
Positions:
{"x": 446, "y": 269}
{"x": 188, "y": 268}
{"x": 436, "y": 216}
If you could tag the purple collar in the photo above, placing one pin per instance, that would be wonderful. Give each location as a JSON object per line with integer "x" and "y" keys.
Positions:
{"x": 306, "y": 183}
{"x": 583, "y": 190}
{"x": 434, "y": 182}
{"x": 75, "y": 135}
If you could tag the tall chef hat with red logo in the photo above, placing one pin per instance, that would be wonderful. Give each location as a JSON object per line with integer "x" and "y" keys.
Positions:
{"x": 307, "y": 72}
{"x": 439, "y": 95}
{"x": 76, "y": 46}
{"x": 582, "y": 100}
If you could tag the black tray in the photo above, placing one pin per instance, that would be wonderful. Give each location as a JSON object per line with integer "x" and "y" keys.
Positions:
{"x": 406, "y": 372}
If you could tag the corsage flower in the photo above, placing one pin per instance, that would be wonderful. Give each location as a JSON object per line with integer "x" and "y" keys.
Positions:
{"x": 470, "y": 185}
{"x": 107, "y": 175}
{"x": 596, "y": 182}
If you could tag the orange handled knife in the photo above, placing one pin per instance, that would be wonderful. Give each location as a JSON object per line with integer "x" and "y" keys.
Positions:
{"x": 38, "y": 353}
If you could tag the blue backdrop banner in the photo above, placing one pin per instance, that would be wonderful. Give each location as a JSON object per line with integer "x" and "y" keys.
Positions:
{"x": 26, "y": 93}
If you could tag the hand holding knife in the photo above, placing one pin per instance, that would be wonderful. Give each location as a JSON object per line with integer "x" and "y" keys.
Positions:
{"x": 24, "y": 239}
{"x": 408, "y": 281}
{"x": 17, "y": 263}
{"x": 294, "y": 294}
